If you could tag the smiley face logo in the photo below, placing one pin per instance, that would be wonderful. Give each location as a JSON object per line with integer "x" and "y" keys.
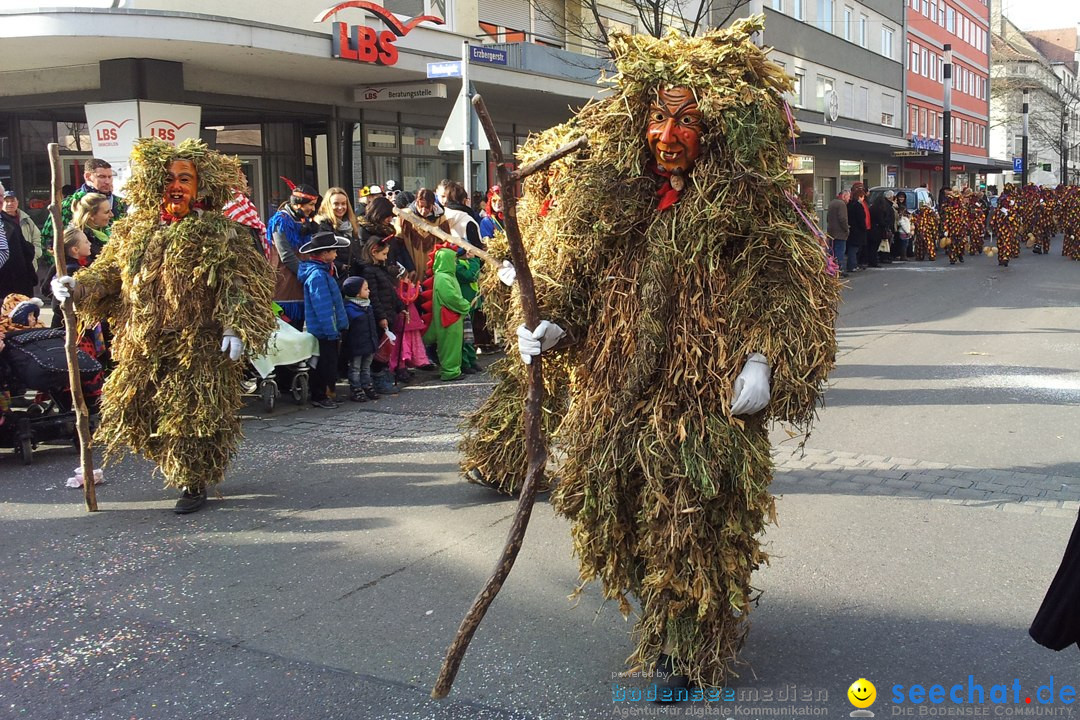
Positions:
{"x": 862, "y": 693}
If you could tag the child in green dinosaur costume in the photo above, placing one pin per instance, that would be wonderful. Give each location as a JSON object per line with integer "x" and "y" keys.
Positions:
{"x": 448, "y": 314}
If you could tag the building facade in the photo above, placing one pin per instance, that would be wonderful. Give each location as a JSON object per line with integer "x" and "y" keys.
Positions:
{"x": 317, "y": 91}
{"x": 964, "y": 25}
{"x": 846, "y": 58}
{"x": 1045, "y": 64}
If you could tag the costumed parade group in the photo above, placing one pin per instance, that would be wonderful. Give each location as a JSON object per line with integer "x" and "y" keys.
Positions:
{"x": 1030, "y": 217}
{"x": 687, "y": 304}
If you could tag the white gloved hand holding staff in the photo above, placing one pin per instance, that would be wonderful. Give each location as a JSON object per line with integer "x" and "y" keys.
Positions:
{"x": 533, "y": 342}
{"x": 232, "y": 344}
{"x": 751, "y": 390}
{"x": 62, "y": 287}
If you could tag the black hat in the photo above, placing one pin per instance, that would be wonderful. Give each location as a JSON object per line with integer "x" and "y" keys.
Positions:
{"x": 324, "y": 240}
{"x": 352, "y": 286}
{"x": 304, "y": 193}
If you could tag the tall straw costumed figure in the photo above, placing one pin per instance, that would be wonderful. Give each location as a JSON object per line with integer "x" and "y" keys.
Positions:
{"x": 186, "y": 293}
{"x": 690, "y": 304}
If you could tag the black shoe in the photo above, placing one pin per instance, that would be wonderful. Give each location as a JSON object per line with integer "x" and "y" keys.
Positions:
{"x": 961, "y": 258}
{"x": 402, "y": 376}
{"x": 475, "y": 477}
{"x": 370, "y": 392}
{"x": 666, "y": 679}
{"x": 358, "y": 396}
{"x": 468, "y": 369}
{"x": 325, "y": 404}
{"x": 189, "y": 502}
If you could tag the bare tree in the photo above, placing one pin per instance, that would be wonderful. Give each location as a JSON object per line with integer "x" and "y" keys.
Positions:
{"x": 654, "y": 17}
{"x": 1050, "y": 110}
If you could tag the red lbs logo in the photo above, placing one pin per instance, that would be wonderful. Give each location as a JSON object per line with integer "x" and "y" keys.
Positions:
{"x": 106, "y": 130}
{"x": 165, "y": 130}
{"x": 365, "y": 44}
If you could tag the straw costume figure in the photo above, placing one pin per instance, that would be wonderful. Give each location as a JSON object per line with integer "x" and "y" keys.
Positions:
{"x": 186, "y": 293}
{"x": 954, "y": 224}
{"x": 1068, "y": 204}
{"x": 927, "y": 226}
{"x": 698, "y": 307}
{"x": 1007, "y": 225}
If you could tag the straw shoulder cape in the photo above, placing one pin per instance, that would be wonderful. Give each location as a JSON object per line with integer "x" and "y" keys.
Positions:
{"x": 666, "y": 491}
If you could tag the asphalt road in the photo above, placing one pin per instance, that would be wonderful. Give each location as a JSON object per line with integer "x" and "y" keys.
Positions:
{"x": 330, "y": 579}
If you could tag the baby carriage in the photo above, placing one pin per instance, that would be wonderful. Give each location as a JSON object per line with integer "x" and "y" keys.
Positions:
{"x": 35, "y": 402}
{"x": 290, "y": 349}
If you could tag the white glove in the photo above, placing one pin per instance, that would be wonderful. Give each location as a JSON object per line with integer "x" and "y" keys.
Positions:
{"x": 62, "y": 287}
{"x": 533, "y": 342}
{"x": 391, "y": 336}
{"x": 232, "y": 345}
{"x": 507, "y": 274}
{"x": 752, "y": 386}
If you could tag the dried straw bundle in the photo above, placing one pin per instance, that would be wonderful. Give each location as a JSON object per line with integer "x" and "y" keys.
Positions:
{"x": 666, "y": 490}
{"x": 168, "y": 291}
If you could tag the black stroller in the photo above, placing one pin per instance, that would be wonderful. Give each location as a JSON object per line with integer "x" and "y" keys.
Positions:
{"x": 33, "y": 374}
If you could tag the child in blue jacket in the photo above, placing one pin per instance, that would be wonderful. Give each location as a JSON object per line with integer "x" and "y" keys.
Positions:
{"x": 324, "y": 312}
{"x": 363, "y": 338}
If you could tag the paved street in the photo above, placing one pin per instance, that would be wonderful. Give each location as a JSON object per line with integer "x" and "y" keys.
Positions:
{"x": 918, "y": 531}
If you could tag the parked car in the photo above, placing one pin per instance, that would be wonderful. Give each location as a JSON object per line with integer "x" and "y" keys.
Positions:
{"x": 915, "y": 196}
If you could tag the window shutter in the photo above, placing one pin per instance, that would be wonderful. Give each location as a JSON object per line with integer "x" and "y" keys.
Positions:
{"x": 550, "y": 20}
{"x": 512, "y": 14}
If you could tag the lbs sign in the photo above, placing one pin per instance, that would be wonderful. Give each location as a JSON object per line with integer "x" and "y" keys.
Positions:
{"x": 115, "y": 126}
{"x": 367, "y": 45}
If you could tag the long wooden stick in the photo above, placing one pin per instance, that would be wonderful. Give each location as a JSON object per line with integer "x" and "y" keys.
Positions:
{"x": 413, "y": 219}
{"x": 535, "y": 447}
{"x": 71, "y": 336}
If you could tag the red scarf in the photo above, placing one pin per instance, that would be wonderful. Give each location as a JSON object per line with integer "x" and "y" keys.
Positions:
{"x": 667, "y": 194}
{"x": 866, "y": 211}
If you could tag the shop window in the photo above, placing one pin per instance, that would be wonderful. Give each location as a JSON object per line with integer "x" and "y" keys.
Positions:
{"x": 824, "y": 85}
{"x": 5, "y": 155}
{"x": 420, "y": 141}
{"x": 245, "y": 139}
{"x": 380, "y": 168}
{"x": 380, "y": 137}
{"x": 74, "y": 136}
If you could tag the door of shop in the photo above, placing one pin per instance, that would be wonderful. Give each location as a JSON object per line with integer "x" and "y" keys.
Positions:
{"x": 826, "y": 191}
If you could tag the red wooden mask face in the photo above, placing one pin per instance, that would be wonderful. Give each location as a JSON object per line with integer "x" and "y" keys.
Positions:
{"x": 674, "y": 130}
{"x": 181, "y": 188}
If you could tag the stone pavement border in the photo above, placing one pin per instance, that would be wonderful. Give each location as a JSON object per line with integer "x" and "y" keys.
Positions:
{"x": 836, "y": 471}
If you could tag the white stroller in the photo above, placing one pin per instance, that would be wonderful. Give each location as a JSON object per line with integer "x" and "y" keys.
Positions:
{"x": 290, "y": 349}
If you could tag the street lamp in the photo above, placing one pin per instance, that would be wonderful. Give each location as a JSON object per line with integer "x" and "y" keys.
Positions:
{"x": 1024, "y": 147}
{"x": 946, "y": 136}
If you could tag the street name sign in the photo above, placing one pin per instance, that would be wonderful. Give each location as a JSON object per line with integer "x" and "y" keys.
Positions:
{"x": 451, "y": 68}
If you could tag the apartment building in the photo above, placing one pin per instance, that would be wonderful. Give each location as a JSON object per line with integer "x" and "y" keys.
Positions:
{"x": 964, "y": 25}
{"x": 847, "y": 60}
{"x": 1045, "y": 64}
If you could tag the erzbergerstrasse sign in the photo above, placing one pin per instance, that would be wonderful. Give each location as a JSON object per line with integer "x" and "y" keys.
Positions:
{"x": 365, "y": 44}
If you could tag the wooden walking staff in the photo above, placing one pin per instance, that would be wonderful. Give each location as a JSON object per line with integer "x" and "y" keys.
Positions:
{"x": 535, "y": 449}
{"x": 71, "y": 336}
{"x": 431, "y": 229}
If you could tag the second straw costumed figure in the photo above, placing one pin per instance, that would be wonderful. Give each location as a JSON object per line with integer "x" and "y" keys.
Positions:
{"x": 675, "y": 259}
